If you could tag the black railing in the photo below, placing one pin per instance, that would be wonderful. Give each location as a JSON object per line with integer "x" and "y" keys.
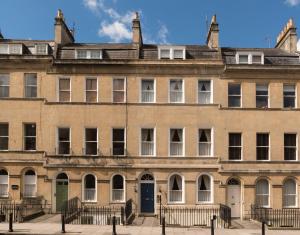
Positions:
{"x": 75, "y": 212}
{"x": 277, "y": 218}
{"x": 129, "y": 213}
{"x": 225, "y": 215}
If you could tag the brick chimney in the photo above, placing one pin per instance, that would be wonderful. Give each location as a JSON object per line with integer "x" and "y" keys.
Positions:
{"x": 212, "y": 39}
{"x": 62, "y": 33}
{"x": 287, "y": 38}
{"x": 136, "y": 30}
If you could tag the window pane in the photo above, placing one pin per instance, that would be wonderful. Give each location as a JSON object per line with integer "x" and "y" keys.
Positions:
{"x": 91, "y": 134}
{"x": 261, "y": 89}
{"x": 64, "y": 84}
{"x": 91, "y": 148}
{"x": 64, "y": 148}
{"x": 30, "y": 79}
{"x": 95, "y": 54}
{"x": 147, "y": 90}
{"x": 91, "y": 84}
{"x": 64, "y": 134}
{"x": 4, "y": 85}
{"x": 64, "y": 96}
{"x": 81, "y": 54}
{"x": 3, "y": 129}
{"x": 178, "y": 54}
{"x": 118, "y": 84}
{"x": 41, "y": 49}
{"x": 256, "y": 59}
{"x": 91, "y": 96}
{"x": 289, "y": 95}
{"x": 118, "y": 134}
{"x": 290, "y": 146}
{"x": 262, "y": 102}
{"x": 3, "y": 48}
{"x": 234, "y": 89}
{"x": 30, "y": 143}
{"x": 118, "y": 182}
{"x": 243, "y": 59}
{"x": 204, "y": 92}
{"x": 30, "y": 129}
{"x": 262, "y": 139}
{"x": 165, "y": 53}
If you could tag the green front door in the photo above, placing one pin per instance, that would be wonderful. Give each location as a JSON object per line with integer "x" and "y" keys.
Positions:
{"x": 61, "y": 193}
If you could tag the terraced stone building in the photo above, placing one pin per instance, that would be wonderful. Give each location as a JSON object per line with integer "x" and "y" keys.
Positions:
{"x": 108, "y": 122}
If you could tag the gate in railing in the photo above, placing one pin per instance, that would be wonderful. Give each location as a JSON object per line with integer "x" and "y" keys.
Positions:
{"x": 76, "y": 212}
{"x": 277, "y": 218}
{"x": 188, "y": 216}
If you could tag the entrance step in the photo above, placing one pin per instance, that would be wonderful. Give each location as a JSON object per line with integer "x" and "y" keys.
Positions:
{"x": 244, "y": 224}
{"x": 146, "y": 221}
{"x": 47, "y": 218}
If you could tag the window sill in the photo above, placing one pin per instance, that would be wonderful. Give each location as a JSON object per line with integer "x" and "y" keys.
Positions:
{"x": 176, "y": 203}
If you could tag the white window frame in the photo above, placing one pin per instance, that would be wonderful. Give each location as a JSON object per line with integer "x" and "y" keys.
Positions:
{"x": 211, "y": 100}
{"x": 250, "y": 57}
{"x": 46, "y": 47}
{"x": 154, "y": 90}
{"x": 268, "y": 96}
{"x": 7, "y": 191}
{"x": 89, "y": 54}
{"x": 183, "y": 141}
{"x": 85, "y": 89}
{"x": 125, "y": 90}
{"x": 25, "y": 136}
{"x": 171, "y": 50}
{"x": 182, "y": 92}
{"x": 112, "y": 141}
{"x": 296, "y": 195}
{"x": 58, "y": 90}
{"x": 236, "y": 146}
{"x": 5, "y": 123}
{"x": 269, "y": 192}
{"x": 154, "y": 142}
{"x": 211, "y": 142}
{"x": 269, "y": 147}
{"x": 57, "y": 139}
{"x": 7, "y": 86}
{"x": 294, "y": 133}
{"x": 295, "y": 97}
{"x": 35, "y": 184}
{"x": 85, "y": 141}
{"x": 182, "y": 189}
{"x": 111, "y": 189}
{"x": 10, "y": 49}
{"x": 211, "y": 201}
{"x": 83, "y": 188}
{"x": 241, "y": 94}
{"x": 33, "y": 86}
{"x": 5, "y": 48}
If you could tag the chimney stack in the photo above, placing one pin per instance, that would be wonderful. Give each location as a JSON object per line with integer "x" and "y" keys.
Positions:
{"x": 212, "y": 39}
{"x": 63, "y": 35}
{"x": 137, "y": 38}
{"x": 287, "y": 38}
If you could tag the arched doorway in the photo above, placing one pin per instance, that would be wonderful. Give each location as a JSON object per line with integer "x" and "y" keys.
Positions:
{"x": 147, "y": 193}
{"x": 61, "y": 186}
{"x": 234, "y": 197}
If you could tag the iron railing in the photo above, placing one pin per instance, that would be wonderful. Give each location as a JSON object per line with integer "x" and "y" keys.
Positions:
{"x": 277, "y": 218}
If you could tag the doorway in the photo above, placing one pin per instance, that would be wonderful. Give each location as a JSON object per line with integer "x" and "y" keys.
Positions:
{"x": 234, "y": 197}
{"x": 147, "y": 194}
{"x": 61, "y": 188}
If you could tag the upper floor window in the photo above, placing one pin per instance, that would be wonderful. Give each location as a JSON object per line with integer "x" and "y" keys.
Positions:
{"x": 118, "y": 141}
{"x": 91, "y": 141}
{"x": 11, "y": 49}
{"x": 262, "y": 146}
{"x": 249, "y": 58}
{"x": 176, "y": 142}
{"x": 4, "y": 136}
{"x": 4, "y": 85}
{"x": 119, "y": 90}
{"x": 262, "y": 96}
{"x": 147, "y": 142}
{"x": 176, "y": 91}
{"x": 30, "y": 84}
{"x": 148, "y": 92}
{"x": 91, "y": 90}
{"x": 204, "y": 92}
{"x": 290, "y": 146}
{"x": 64, "y": 141}
{"x": 30, "y": 136}
{"x": 89, "y": 54}
{"x": 171, "y": 52}
{"x": 235, "y": 146}
{"x": 205, "y": 144}
{"x": 64, "y": 90}
{"x": 234, "y": 95}
{"x": 289, "y": 96}
{"x": 41, "y": 49}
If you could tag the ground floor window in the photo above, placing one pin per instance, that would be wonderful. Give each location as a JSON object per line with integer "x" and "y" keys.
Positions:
{"x": 90, "y": 183}
{"x": 29, "y": 184}
{"x": 118, "y": 190}
{"x": 289, "y": 193}
{"x": 204, "y": 186}
{"x": 262, "y": 193}
{"x": 175, "y": 189}
{"x": 3, "y": 183}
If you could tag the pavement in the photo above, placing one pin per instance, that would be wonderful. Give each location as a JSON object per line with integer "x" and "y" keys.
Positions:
{"x": 55, "y": 228}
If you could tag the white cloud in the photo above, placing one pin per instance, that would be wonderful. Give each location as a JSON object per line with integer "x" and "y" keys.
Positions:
{"x": 292, "y": 2}
{"x": 162, "y": 34}
{"x": 116, "y": 31}
{"x": 91, "y": 4}
{"x": 298, "y": 45}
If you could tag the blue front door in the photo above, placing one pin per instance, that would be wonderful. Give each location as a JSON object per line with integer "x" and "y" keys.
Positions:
{"x": 147, "y": 198}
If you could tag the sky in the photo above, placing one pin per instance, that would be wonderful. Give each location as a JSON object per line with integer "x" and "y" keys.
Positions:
{"x": 242, "y": 23}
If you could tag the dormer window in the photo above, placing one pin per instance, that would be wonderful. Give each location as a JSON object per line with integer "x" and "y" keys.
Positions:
{"x": 249, "y": 58}
{"x": 41, "y": 49}
{"x": 89, "y": 54}
{"x": 16, "y": 49}
{"x": 171, "y": 52}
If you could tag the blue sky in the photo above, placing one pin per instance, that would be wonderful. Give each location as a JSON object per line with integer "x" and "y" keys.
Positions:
{"x": 251, "y": 23}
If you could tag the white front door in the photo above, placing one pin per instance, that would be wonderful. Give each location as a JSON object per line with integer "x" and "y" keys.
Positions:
{"x": 234, "y": 200}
